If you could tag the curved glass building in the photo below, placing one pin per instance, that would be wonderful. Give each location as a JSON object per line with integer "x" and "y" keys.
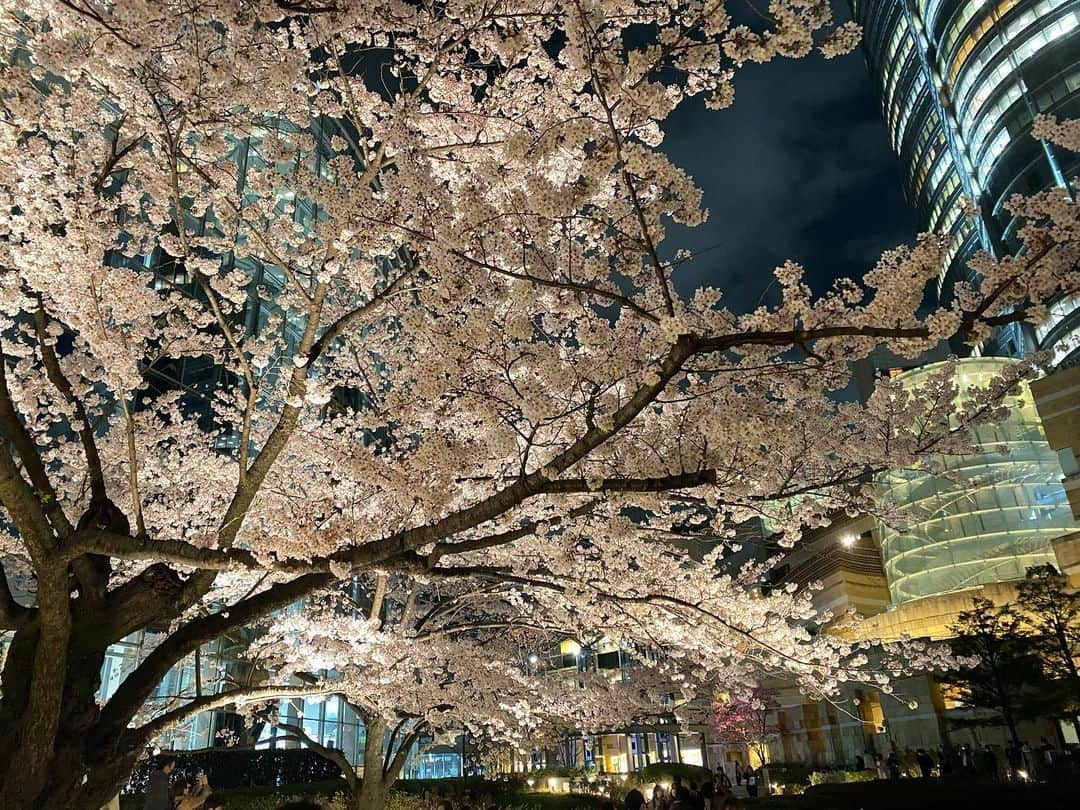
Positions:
{"x": 960, "y": 83}
{"x": 985, "y": 517}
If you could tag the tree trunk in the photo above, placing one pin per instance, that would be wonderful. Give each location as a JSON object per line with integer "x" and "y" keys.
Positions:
{"x": 78, "y": 783}
{"x": 372, "y": 794}
{"x": 59, "y": 749}
{"x": 1011, "y": 723}
{"x": 80, "y": 765}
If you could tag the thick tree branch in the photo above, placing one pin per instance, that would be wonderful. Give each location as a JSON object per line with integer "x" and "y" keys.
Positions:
{"x": 163, "y": 722}
{"x": 25, "y": 446}
{"x": 63, "y": 385}
{"x": 140, "y": 683}
{"x": 25, "y": 510}
{"x": 329, "y": 754}
{"x": 390, "y": 743}
{"x": 177, "y": 552}
{"x": 398, "y": 762}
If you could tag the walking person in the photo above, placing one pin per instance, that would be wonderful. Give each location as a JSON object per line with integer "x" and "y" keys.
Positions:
{"x": 894, "y": 765}
{"x": 697, "y": 801}
{"x": 1029, "y": 761}
{"x": 159, "y": 787}
{"x": 988, "y": 762}
{"x": 682, "y": 797}
{"x": 1015, "y": 759}
{"x": 879, "y": 766}
{"x": 926, "y": 764}
{"x": 724, "y": 780}
{"x": 750, "y": 778}
{"x": 1047, "y": 752}
{"x": 944, "y": 760}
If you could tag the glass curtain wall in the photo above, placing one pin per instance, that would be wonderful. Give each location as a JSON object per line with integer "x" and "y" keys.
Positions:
{"x": 979, "y": 518}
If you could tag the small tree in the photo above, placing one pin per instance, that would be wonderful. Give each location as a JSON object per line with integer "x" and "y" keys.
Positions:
{"x": 998, "y": 667}
{"x": 747, "y": 720}
{"x": 1052, "y": 612}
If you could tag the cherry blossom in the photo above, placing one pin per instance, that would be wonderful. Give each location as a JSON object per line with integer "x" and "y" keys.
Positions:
{"x": 307, "y": 298}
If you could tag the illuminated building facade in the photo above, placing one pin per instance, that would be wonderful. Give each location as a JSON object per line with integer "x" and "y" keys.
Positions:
{"x": 659, "y": 738}
{"x": 960, "y": 82}
{"x": 987, "y": 516}
{"x": 970, "y": 532}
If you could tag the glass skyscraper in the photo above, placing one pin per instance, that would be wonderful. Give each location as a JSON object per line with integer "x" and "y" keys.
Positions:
{"x": 960, "y": 84}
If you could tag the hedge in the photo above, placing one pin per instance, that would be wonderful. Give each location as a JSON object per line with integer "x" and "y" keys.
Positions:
{"x": 841, "y": 777}
{"x": 262, "y": 797}
{"x": 270, "y": 798}
{"x": 790, "y": 773}
{"x": 235, "y": 768}
{"x": 931, "y": 794}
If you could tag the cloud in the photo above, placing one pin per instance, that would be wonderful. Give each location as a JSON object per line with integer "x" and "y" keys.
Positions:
{"x": 800, "y": 167}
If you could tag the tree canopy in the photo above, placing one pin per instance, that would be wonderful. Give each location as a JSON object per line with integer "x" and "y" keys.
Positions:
{"x": 295, "y": 296}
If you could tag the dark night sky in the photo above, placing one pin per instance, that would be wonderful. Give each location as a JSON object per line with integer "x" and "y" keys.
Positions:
{"x": 800, "y": 167}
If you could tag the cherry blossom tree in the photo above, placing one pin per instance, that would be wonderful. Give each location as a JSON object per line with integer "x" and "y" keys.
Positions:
{"x": 453, "y": 668}
{"x": 419, "y": 250}
{"x": 747, "y": 720}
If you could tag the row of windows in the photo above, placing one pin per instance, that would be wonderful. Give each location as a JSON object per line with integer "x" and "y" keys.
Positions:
{"x": 881, "y": 19}
{"x": 951, "y": 64}
{"x": 946, "y": 203}
{"x": 1059, "y": 312}
{"x": 1039, "y": 39}
{"x": 1016, "y": 124}
{"x": 928, "y": 11}
{"x": 942, "y": 167}
{"x": 916, "y": 97}
{"x": 992, "y": 114}
{"x": 930, "y": 140}
{"x": 892, "y": 79}
{"x": 936, "y": 157}
{"x": 958, "y": 243}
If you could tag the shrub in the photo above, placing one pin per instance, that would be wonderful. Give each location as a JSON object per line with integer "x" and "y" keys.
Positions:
{"x": 790, "y": 773}
{"x": 841, "y": 777}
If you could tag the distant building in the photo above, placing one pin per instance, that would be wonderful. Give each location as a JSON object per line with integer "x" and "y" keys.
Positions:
{"x": 960, "y": 83}
{"x": 1057, "y": 398}
{"x": 658, "y": 738}
{"x": 971, "y": 533}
